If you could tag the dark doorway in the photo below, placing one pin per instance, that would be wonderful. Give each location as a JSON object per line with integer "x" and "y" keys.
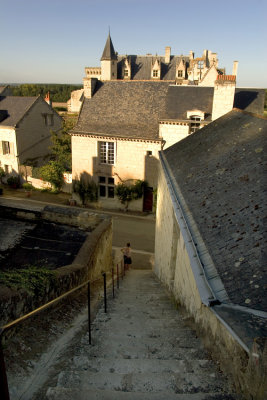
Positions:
{"x": 148, "y": 199}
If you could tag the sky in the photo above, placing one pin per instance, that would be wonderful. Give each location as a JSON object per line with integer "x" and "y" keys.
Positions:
{"x": 52, "y": 41}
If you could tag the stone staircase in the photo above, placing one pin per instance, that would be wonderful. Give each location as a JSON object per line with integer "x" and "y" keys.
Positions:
{"x": 141, "y": 349}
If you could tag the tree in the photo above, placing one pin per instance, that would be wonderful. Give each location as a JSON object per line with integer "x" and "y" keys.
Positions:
{"x": 53, "y": 173}
{"x": 61, "y": 145}
{"x": 86, "y": 188}
{"x": 128, "y": 192}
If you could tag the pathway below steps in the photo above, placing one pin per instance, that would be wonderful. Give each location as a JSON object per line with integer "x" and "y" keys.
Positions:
{"x": 141, "y": 349}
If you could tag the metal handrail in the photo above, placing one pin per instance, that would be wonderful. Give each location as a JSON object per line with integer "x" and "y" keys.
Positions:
{"x": 4, "y": 391}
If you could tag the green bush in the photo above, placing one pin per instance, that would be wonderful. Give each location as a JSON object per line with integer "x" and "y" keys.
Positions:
{"x": 13, "y": 181}
{"x": 2, "y": 174}
{"x": 27, "y": 186}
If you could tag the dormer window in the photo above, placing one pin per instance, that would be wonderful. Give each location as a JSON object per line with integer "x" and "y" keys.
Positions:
{"x": 155, "y": 73}
{"x": 195, "y": 124}
{"x": 180, "y": 73}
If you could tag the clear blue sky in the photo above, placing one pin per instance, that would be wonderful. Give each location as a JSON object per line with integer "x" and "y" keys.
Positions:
{"x": 52, "y": 41}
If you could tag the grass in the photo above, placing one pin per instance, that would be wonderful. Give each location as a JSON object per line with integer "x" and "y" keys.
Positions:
{"x": 30, "y": 278}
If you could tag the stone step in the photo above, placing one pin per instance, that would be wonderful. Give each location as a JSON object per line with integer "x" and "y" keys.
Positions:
{"x": 122, "y": 365}
{"x": 144, "y": 351}
{"x": 85, "y": 394}
{"x": 145, "y": 342}
{"x": 143, "y": 382}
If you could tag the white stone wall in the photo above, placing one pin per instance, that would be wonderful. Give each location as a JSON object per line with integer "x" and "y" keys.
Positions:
{"x": 210, "y": 78}
{"x": 108, "y": 70}
{"x": 172, "y": 132}
{"x": 223, "y": 99}
{"x": 9, "y": 160}
{"x": 172, "y": 263}
{"x": 74, "y": 103}
{"x": 33, "y": 135}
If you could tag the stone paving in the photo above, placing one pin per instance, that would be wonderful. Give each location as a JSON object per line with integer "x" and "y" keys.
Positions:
{"x": 141, "y": 349}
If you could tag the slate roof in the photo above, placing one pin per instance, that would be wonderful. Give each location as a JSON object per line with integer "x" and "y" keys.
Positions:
{"x": 219, "y": 170}
{"x": 141, "y": 66}
{"x": 14, "y": 107}
{"x": 123, "y": 109}
{"x": 181, "y": 99}
{"x": 251, "y": 100}
{"x": 109, "y": 52}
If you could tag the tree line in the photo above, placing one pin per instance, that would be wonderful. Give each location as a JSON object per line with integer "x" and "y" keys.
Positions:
{"x": 59, "y": 93}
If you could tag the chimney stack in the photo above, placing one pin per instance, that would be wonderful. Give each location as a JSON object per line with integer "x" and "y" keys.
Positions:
{"x": 235, "y": 68}
{"x": 167, "y": 54}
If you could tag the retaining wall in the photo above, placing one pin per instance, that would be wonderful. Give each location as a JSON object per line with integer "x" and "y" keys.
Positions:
{"x": 93, "y": 258}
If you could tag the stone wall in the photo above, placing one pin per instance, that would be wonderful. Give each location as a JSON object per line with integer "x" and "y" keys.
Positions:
{"x": 173, "y": 266}
{"x": 94, "y": 257}
{"x": 172, "y": 132}
{"x": 223, "y": 99}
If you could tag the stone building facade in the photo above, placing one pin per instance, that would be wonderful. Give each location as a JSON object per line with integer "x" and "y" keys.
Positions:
{"x": 25, "y": 124}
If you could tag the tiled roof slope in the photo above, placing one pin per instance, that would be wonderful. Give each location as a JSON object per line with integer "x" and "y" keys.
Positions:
{"x": 15, "y": 107}
{"x": 109, "y": 52}
{"x": 251, "y": 100}
{"x": 219, "y": 170}
{"x": 141, "y": 66}
{"x": 123, "y": 109}
{"x": 181, "y": 99}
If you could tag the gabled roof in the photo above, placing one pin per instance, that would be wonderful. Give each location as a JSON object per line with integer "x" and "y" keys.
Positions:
{"x": 181, "y": 99}
{"x": 123, "y": 109}
{"x": 109, "y": 52}
{"x": 219, "y": 170}
{"x": 15, "y": 108}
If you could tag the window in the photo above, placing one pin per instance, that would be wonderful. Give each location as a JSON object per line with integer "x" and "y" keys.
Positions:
{"x": 180, "y": 73}
{"x": 200, "y": 64}
{"x": 106, "y": 150}
{"x": 155, "y": 73}
{"x": 8, "y": 169}
{"x": 149, "y": 153}
{"x": 48, "y": 119}
{"x": 126, "y": 72}
{"x": 6, "y": 147}
{"x": 195, "y": 125}
{"x": 106, "y": 187}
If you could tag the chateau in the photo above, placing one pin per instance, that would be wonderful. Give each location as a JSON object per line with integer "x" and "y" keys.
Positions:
{"x": 134, "y": 106}
{"x": 178, "y": 70}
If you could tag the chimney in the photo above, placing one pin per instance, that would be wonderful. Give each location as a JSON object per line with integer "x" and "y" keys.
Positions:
{"x": 167, "y": 54}
{"x": 235, "y": 68}
{"x": 47, "y": 98}
{"x": 191, "y": 55}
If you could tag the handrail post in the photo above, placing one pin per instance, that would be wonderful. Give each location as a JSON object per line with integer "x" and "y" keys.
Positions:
{"x": 118, "y": 277}
{"x": 113, "y": 292}
{"x": 4, "y": 392}
{"x": 105, "y": 291}
{"x": 89, "y": 312}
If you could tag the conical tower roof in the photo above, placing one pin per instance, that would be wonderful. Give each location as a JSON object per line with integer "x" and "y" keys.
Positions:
{"x": 109, "y": 53}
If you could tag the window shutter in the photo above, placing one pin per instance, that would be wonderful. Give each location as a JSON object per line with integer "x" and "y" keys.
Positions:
{"x": 1, "y": 147}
